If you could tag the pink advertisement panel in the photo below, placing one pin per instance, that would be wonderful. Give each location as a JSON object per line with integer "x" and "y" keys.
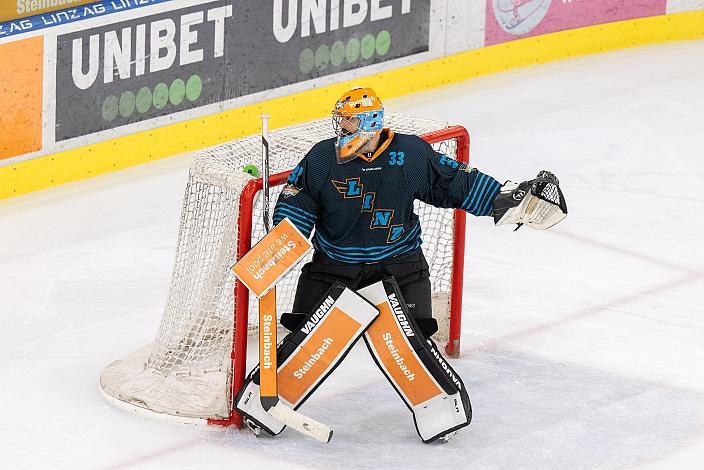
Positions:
{"x": 507, "y": 20}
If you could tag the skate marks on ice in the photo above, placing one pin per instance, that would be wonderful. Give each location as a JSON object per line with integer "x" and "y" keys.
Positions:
{"x": 535, "y": 413}
{"x": 529, "y": 412}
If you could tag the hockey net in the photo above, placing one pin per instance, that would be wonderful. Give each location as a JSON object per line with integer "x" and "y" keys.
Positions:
{"x": 197, "y": 361}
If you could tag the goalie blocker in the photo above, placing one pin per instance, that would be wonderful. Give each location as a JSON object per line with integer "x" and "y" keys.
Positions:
{"x": 309, "y": 354}
{"x": 431, "y": 389}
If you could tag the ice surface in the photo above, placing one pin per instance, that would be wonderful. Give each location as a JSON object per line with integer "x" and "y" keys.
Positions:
{"x": 583, "y": 346}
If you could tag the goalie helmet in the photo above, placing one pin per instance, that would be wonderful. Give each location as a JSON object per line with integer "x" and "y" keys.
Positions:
{"x": 358, "y": 117}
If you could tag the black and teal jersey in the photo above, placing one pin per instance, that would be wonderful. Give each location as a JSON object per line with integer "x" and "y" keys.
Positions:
{"x": 363, "y": 212}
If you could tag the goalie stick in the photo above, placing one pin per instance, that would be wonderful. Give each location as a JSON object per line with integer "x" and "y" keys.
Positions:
{"x": 267, "y": 334}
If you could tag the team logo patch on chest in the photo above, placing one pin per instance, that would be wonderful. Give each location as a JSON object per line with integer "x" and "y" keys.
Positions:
{"x": 353, "y": 188}
{"x": 350, "y": 188}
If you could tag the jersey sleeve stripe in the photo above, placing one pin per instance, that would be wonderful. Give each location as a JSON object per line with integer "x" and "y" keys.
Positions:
{"x": 289, "y": 210}
{"x": 304, "y": 226}
{"x": 489, "y": 204}
{"x": 279, "y": 217}
{"x": 305, "y": 229}
{"x": 293, "y": 216}
{"x": 304, "y": 213}
{"x": 466, "y": 200}
{"x": 477, "y": 188}
{"x": 285, "y": 212}
{"x": 479, "y": 200}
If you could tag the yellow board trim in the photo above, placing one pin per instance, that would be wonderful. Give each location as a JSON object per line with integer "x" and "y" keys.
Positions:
{"x": 123, "y": 152}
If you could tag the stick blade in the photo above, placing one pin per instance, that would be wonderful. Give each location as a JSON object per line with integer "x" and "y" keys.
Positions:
{"x": 301, "y": 423}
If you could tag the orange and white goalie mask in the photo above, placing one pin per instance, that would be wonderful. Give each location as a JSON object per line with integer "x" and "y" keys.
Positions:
{"x": 357, "y": 118}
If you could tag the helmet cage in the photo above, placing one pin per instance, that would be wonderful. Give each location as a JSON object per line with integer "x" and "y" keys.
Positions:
{"x": 354, "y": 131}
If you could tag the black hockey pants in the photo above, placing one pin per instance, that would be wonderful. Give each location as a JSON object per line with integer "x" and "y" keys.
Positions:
{"x": 410, "y": 271}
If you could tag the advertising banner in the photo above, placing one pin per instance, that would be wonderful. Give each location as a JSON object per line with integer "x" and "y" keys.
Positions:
{"x": 15, "y": 9}
{"x": 272, "y": 258}
{"x": 21, "y": 64}
{"x": 507, "y": 20}
{"x": 70, "y": 14}
{"x": 678, "y": 6}
{"x": 135, "y": 70}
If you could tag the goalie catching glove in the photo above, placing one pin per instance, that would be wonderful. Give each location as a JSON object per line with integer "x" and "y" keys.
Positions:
{"x": 538, "y": 203}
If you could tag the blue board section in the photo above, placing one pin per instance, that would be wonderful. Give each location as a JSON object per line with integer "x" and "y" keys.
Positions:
{"x": 71, "y": 15}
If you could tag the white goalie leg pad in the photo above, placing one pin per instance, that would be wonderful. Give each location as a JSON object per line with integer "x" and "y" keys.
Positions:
{"x": 440, "y": 417}
{"x": 308, "y": 355}
{"x": 249, "y": 404}
{"x": 431, "y": 389}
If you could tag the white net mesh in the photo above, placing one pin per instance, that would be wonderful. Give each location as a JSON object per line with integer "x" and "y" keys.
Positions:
{"x": 186, "y": 371}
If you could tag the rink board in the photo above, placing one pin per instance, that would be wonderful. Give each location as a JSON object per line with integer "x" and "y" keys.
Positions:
{"x": 47, "y": 158}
